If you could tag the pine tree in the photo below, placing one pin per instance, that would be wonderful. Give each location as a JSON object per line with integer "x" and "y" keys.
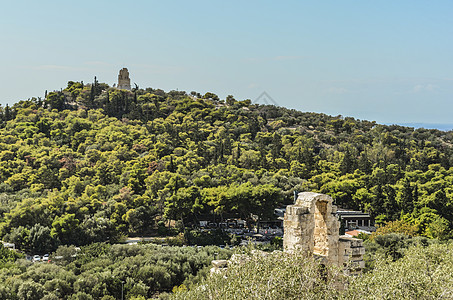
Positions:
{"x": 8, "y": 115}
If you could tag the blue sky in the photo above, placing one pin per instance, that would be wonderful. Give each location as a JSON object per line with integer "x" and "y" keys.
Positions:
{"x": 389, "y": 61}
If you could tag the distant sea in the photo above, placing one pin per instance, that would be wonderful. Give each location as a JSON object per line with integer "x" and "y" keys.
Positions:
{"x": 444, "y": 127}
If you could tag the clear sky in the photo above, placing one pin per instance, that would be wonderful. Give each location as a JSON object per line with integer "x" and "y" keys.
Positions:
{"x": 389, "y": 61}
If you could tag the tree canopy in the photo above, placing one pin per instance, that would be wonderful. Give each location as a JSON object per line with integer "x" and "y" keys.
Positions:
{"x": 90, "y": 163}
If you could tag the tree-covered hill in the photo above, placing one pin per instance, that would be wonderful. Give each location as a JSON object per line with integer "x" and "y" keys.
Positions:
{"x": 90, "y": 163}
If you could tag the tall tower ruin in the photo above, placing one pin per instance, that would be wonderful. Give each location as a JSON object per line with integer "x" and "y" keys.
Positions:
{"x": 311, "y": 226}
{"x": 124, "y": 82}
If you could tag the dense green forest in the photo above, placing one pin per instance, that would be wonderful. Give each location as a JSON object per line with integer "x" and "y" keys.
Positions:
{"x": 92, "y": 163}
{"x": 89, "y": 165}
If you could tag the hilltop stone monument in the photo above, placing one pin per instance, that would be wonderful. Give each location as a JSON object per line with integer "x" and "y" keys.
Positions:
{"x": 311, "y": 225}
{"x": 124, "y": 82}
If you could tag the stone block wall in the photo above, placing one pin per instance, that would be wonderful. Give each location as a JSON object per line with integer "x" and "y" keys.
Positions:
{"x": 351, "y": 255}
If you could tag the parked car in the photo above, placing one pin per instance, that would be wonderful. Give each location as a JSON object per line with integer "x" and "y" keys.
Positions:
{"x": 45, "y": 257}
{"x": 36, "y": 258}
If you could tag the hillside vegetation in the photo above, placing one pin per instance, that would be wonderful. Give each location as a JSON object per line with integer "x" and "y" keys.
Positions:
{"x": 103, "y": 271}
{"x": 92, "y": 163}
{"x": 423, "y": 273}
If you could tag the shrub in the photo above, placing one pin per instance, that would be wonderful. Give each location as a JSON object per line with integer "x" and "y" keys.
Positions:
{"x": 422, "y": 273}
{"x": 275, "y": 276}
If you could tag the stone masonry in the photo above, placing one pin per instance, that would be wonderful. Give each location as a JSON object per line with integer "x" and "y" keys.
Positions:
{"x": 352, "y": 251}
{"x": 310, "y": 225}
{"x": 124, "y": 82}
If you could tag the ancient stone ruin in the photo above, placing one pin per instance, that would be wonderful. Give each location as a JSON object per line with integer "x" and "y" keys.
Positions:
{"x": 124, "y": 82}
{"x": 310, "y": 225}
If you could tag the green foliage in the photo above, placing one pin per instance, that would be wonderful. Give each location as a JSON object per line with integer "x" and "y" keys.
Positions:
{"x": 390, "y": 246}
{"x": 93, "y": 163}
{"x": 100, "y": 270}
{"x": 90, "y": 164}
{"x": 275, "y": 276}
{"x": 41, "y": 240}
{"x": 392, "y": 243}
{"x": 65, "y": 228}
{"x": 423, "y": 272}
{"x": 277, "y": 242}
{"x": 30, "y": 290}
{"x": 203, "y": 238}
{"x": 8, "y": 256}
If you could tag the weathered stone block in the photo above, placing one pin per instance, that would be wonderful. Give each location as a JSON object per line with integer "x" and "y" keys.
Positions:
{"x": 358, "y": 251}
{"x": 356, "y": 243}
{"x": 219, "y": 263}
